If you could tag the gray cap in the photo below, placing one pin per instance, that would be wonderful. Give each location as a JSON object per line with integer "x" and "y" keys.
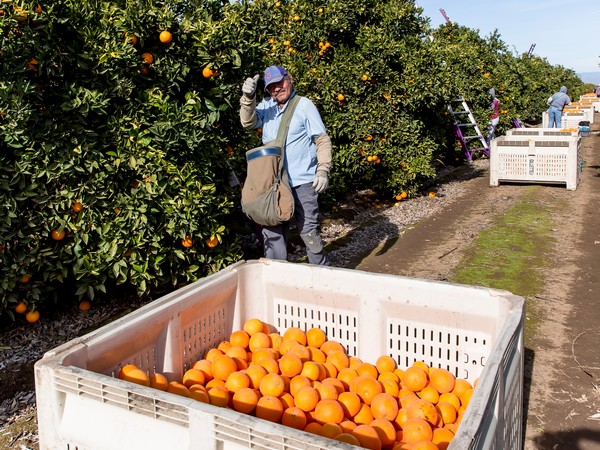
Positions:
{"x": 492, "y": 92}
{"x": 563, "y": 89}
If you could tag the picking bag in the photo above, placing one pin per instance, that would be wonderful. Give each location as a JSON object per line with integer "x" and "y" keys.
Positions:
{"x": 266, "y": 196}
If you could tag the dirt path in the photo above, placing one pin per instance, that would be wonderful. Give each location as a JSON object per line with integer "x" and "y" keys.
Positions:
{"x": 562, "y": 364}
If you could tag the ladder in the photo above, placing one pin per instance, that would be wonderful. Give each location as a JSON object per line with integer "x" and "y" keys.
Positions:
{"x": 466, "y": 128}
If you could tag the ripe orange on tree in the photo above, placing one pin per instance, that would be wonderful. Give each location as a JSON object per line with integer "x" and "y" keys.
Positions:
{"x": 147, "y": 58}
{"x": 85, "y": 305}
{"x": 32, "y": 316}
{"x": 341, "y": 97}
{"x": 25, "y": 278}
{"x": 77, "y": 206}
{"x": 165, "y": 37}
{"x": 212, "y": 241}
{"x": 207, "y": 72}
{"x": 58, "y": 235}
{"x": 21, "y": 307}
{"x": 187, "y": 242}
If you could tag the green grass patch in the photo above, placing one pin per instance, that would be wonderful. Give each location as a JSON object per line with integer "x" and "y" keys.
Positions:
{"x": 512, "y": 253}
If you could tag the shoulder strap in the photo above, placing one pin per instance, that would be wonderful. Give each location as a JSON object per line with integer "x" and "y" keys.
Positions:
{"x": 286, "y": 119}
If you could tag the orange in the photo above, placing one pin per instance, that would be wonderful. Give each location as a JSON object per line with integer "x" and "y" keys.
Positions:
{"x": 177, "y": 388}
{"x": 77, "y": 206}
{"x": 25, "y": 278}
{"x": 207, "y": 72}
{"x": 165, "y": 37}
{"x": 347, "y": 426}
{"x": 350, "y": 402}
{"x": 386, "y": 363}
{"x": 252, "y": 326}
{"x": 235, "y": 351}
{"x": 326, "y": 390}
{"x": 386, "y": 431}
{"x": 402, "y": 417}
{"x": 214, "y": 383}
{"x": 85, "y": 305}
{"x": 147, "y": 58}
{"x": 276, "y": 340}
{"x": 450, "y": 398}
{"x": 337, "y": 384}
{"x": 264, "y": 353}
{"x": 407, "y": 399}
{"x": 424, "y": 410}
{"x": 390, "y": 387}
{"x": 294, "y": 417}
{"x": 236, "y": 381}
{"x": 424, "y": 445}
{"x": 348, "y": 438}
{"x": 21, "y": 307}
{"x": 137, "y": 376}
{"x": 346, "y": 376}
{"x": 58, "y": 235}
{"x": 297, "y": 382}
{"x": 311, "y": 370}
{"x": 125, "y": 370}
{"x": 223, "y": 366}
{"x": 415, "y": 378}
{"x": 460, "y": 386}
{"x": 306, "y": 398}
{"x": 429, "y": 393}
{"x": 447, "y": 411}
{"x": 422, "y": 365}
{"x": 384, "y": 406}
{"x": 329, "y": 411}
{"x": 245, "y": 400}
{"x": 465, "y": 397}
{"x": 330, "y": 370}
{"x": 32, "y": 316}
{"x": 364, "y": 415}
{"x": 287, "y": 400}
{"x": 270, "y": 365}
{"x": 218, "y": 396}
{"x": 367, "y": 370}
{"x": 366, "y": 388}
{"x": 158, "y": 381}
{"x": 442, "y": 380}
{"x": 259, "y": 340}
{"x": 212, "y": 354}
{"x": 205, "y": 366}
{"x": 290, "y": 364}
{"x": 193, "y": 376}
{"x": 212, "y": 242}
{"x": 296, "y": 334}
{"x": 315, "y": 337}
{"x": 200, "y": 396}
{"x": 187, "y": 242}
{"x": 415, "y": 430}
{"x": 330, "y": 430}
{"x": 239, "y": 338}
{"x": 269, "y": 408}
{"x": 313, "y": 427}
{"x": 330, "y": 346}
{"x": 316, "y": 354}
{"x": 367, "y": 436}
{"x": 255, "y": 372}
{"x": 224, "y": 346}
{"x": 293, "y": 347}
{"x": 442, "y": 437}
{"x": 272, "y": 384}
{"x": 354, "y": 362}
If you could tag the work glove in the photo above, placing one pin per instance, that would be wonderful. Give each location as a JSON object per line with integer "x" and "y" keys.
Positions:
{"x": 321, "y": 182}
{"x": 249, "y": 86}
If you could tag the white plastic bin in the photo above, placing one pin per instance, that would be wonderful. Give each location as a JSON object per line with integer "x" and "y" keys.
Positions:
{"x": 472, "y": 331}
{"x": 536, "y": 160}
{"x": 555, "y": 133}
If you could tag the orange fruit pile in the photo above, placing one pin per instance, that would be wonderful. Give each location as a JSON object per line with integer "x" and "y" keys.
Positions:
{"x": 305, "y": 381}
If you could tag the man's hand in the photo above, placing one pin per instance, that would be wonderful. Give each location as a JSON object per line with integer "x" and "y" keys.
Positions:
{"x": 321, "y": 182}
{"x": 249, "y": 86}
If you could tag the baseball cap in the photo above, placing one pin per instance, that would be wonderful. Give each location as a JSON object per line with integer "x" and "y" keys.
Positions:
{"x": 273, "y": 74}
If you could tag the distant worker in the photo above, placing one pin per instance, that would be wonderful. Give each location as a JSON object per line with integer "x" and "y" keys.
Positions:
{"x": 494, "y": 117}
{"x": 557, "y": 102}
{"x": 598, "y": 91}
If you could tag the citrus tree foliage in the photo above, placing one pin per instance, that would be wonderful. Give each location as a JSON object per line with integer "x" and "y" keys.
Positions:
{"x": 117, "y": 140}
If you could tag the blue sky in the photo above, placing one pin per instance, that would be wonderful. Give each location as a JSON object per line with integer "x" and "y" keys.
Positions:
{"x": 565, "y": 32}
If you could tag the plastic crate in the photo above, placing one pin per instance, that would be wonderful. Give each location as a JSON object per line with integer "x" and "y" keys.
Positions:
{"x": 472, "y": 331}
{"x": 569, "y": 120}
{"x": 540, "y": 159}
{"x": 556, "y": 133}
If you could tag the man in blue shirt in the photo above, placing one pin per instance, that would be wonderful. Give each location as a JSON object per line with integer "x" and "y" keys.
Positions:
{"x": 307, "y": 158}
{"x": 557, "y": 102}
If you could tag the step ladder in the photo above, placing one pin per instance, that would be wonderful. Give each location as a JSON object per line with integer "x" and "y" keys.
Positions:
{"x": 466, "y": 128}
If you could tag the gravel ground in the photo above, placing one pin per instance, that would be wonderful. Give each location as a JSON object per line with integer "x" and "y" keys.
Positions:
{"x": 372, "y": 224}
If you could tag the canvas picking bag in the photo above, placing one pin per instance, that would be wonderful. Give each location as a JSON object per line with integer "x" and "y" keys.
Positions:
{"x": 266, "y": 196}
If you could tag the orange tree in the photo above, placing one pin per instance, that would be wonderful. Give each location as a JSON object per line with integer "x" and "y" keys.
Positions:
{"x": 112, "y": 165}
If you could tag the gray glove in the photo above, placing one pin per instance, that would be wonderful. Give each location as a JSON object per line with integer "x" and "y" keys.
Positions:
{"x": 249, "y": 86}
{"x": 321, "y": 182}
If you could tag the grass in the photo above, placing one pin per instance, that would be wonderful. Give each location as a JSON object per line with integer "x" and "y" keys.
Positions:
{"x": 512, "y": 253}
